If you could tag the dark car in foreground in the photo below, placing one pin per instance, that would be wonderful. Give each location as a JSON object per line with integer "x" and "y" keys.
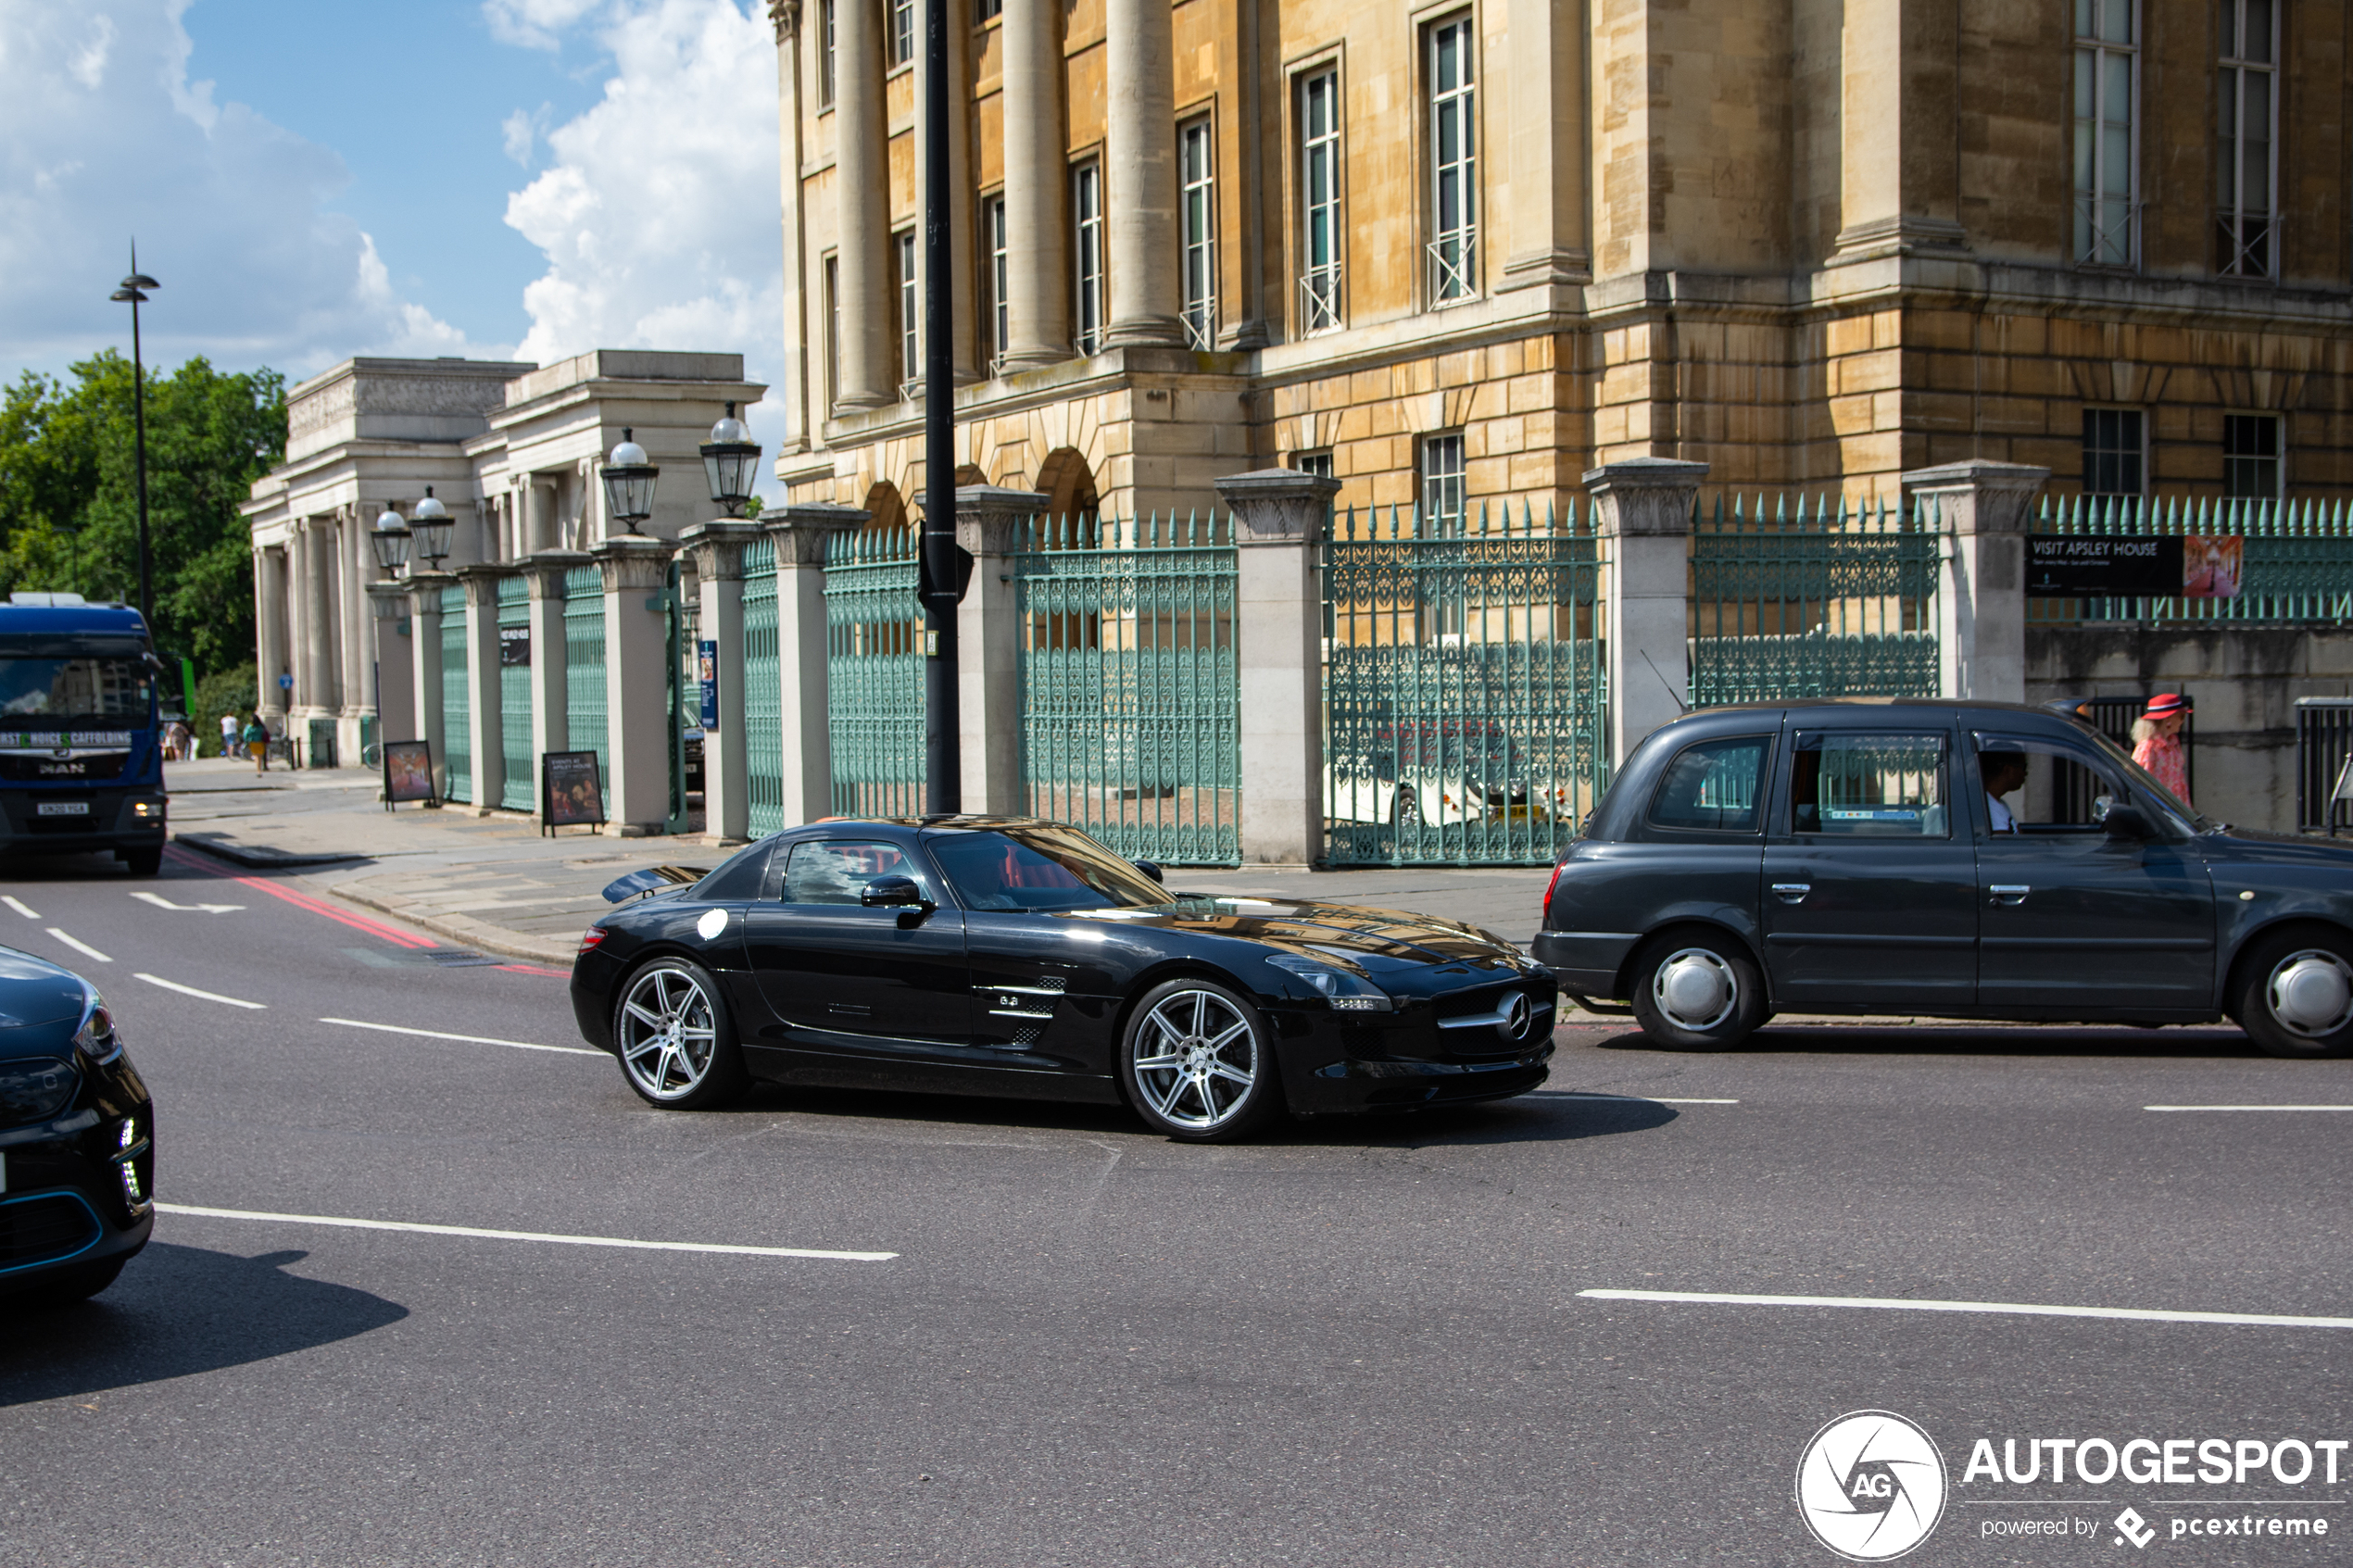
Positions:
{"x": 77, "y": 1138}
{"x": 1010, "y": 955}
{"x": 1845, "y": 856}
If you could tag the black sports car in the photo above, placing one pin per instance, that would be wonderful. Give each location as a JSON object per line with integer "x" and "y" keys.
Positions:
{"x": 1009, "y": 956}
{"x": 77, "y": 1138}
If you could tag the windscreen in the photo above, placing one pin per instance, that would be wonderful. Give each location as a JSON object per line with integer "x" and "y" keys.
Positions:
{"x": 1047, "y": 870}
{"x": 2148, "y": 781}
{"x": 85, "y": 691}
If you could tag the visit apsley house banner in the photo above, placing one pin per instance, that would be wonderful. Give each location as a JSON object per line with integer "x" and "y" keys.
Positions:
{"x": 2190, "y": 566}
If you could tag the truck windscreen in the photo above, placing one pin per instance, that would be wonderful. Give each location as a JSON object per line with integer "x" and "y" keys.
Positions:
{"x": 72, "y": 690}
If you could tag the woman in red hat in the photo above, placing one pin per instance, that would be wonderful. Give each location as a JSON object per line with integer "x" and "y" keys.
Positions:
{"x": 2157, "y": 743}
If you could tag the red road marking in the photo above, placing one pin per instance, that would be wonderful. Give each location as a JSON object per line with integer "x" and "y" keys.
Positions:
{"x": 304, "y": 902}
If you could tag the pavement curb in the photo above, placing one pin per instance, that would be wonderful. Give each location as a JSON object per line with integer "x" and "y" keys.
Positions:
{"x": 464, "y": 928}
{"x": 259, "y": 860}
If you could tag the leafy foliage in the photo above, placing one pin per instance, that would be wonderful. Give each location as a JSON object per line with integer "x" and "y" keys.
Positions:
{"x": 69, "y": 498}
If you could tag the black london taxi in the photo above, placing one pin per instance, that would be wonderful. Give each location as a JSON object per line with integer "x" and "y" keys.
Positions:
{"x": 1940, "y": 858}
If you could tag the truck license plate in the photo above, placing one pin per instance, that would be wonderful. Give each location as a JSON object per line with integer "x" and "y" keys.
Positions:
{"x": 63, "y": 808}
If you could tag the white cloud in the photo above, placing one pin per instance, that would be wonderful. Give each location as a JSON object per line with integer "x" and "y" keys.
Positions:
{"x": 534, "y": 24}
{"x": 659, "y": 212}
{"x": 102, "y": 137}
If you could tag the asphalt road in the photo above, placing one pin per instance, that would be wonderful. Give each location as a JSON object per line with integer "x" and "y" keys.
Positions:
{"x": 1352, "y": 1343}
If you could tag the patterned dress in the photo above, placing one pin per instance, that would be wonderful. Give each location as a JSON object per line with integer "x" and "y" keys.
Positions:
{"x": 2166, "y": 762}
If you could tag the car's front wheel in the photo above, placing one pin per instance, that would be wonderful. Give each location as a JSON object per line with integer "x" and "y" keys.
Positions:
{"x": 676, "y": 1043}
{"x": 1198, "y": 1062}
{"x": 1697, "y": 992}
{"x": 2296, "y": 994}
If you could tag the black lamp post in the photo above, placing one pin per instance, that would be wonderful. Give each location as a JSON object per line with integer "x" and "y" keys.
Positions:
{"x": 732, "y": 463}
{"x": 390, "y": 541}
{"x": 429, "y": 525}
{"x": 940, "y": 578}
{"x": 629, "y": 482}
{"x": 130, "y": 292}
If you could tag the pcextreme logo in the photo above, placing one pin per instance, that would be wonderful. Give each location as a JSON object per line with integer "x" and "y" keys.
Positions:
{"x": 1871, "y": 1486}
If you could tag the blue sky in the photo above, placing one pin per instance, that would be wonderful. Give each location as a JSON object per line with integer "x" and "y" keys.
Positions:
{"x": 311, "y": 180}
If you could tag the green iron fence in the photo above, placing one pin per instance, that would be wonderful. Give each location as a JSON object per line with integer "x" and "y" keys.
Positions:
{"x": 583, "y": 654}
{"x": 2295, "y": 566}
{"x": 519, "y": 790}
{"x": 457, "y": 704}
{"x": 1130, "y": 701}
{"x": 874, "y": 673}
{"x": 761, "y": 693}
{"x": 1464, "y": 692}
{"x": 1833, "y": 599}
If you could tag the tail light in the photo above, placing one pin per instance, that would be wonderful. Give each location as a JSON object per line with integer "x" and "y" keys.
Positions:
{"x": 1555, "y": 882}
{"x": 589, "y": 939}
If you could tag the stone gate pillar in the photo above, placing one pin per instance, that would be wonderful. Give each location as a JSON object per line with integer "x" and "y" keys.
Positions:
{"x": 718, "y": 551}
{"x": 1982, "y": 512}
{"x": 1278, "y": 642}
{"x": 424, "y": 647}
{"x": 805, "y": 720}
{"x": 1642, "y": 512}
{"x": 637, "y": 570}
{"x": 989, "y": 520}
{"x": 394, "y": 629}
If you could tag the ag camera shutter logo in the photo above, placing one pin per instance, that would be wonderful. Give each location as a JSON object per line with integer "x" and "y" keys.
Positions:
{"x": 1871, "y": 1486}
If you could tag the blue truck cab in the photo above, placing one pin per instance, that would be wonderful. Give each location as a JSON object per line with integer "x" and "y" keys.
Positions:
{"x": 81, "y": 766}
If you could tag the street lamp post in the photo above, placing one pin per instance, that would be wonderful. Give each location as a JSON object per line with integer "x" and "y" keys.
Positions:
{"x": 942, "y": 573}
{"x": 130, "y": 292}
{"x": 429, "y": 526}
{"x": 629, "y": 484}
{"x": 730, "y": 461}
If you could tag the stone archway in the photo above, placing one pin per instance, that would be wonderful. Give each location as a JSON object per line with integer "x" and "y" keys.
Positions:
{"x": 1068, "y": 484}
{"x": 889, "y": 508}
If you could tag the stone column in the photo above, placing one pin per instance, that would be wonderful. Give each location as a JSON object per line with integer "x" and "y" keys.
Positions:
{"x": 550, "y": 694}
{"x": 1899, "y": 160}
{"x": 806, "y": 721}
{"x": 424, "y": 645}
{"x": 1542, "y": 217}
{"x": 989, "y": 522}
{"x": 1279, "y": 515}
{"x": 356, "y": 562}
{"x": 1037, "y": 169}
{"x": 862, "y": 185}
{"x": 785, "y": 16}
{"x": 314, "y": 682}
{"x": 1983, "y": 512}
{"x": 718, "y": 552}
{"x": 960, "y": 189}
{"x": 270, "y": 580}
{"x": 395, "y": 691}
{"x": 637, "y": 570}
{"x": 1642, "y": 511}
{"x": 481, "y": 583}
{"x": 1140, "y": 158}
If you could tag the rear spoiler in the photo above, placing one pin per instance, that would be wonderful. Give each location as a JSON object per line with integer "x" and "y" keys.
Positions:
{"x": 652, "y": 880}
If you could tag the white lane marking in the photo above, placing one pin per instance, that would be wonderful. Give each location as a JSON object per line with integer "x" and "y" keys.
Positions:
{"x": 2019, "y": 1309}
{"x": 79, "y": 945}
{"x": 524, "y": 1236}
{"x": 1632, "y": 1099}
{"x": 160, "y": 902}
{"x": 470, "y": 1039}
{"x": 10, "y": 899}
{"x": 207, "y": 995}
{"x": 2247, "y": 1107}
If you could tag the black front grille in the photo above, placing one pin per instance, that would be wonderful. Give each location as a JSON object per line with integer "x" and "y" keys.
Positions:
{"x": 22, "y": 768}
{"x": 43, "y": 1229}
{"x": 86, "y": 823}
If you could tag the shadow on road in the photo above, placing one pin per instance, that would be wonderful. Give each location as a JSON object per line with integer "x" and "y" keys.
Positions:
{"x": 177, "y": 1311}
{"x": 2052, "y": 1041}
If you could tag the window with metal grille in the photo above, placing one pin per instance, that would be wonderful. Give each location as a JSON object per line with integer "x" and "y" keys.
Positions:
{"x": 1319, "y": 202}
{"x": 1196, "y": 215}
{"x": 1453, "y": 163}
{"x": 903, "y": 31}
{"x": 2114, "y": 452}
{"x": 2247, "y": 106}
{"x": 910, "y": 352}
{"x": 825, "y": 55}
{"x": 2251, "y": 457}
{"x": 1086, "y": 253}
{"x": 998, "y": 335}
{"x": 2108, "y": 64}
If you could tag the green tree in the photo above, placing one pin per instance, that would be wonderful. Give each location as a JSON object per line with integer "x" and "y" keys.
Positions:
{"x": 69, "y": 497}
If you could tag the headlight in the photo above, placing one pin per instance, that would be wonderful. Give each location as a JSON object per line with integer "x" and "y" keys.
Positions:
{"x": 97, "y": 1037}
{"x": 35, "y": 1089}
{"x": 1346, "y": 989}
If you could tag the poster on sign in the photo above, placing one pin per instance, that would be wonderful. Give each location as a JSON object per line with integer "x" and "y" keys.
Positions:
{"x": 407, "y": 771}
{"x": 571, "y": 793}
{"x": 2193, "y": 566}
{"x": 2211, "y": 565}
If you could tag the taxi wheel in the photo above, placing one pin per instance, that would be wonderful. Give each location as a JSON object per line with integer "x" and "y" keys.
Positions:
{"x": 2294, "y": 994}
{"x": 1697, "y": 991}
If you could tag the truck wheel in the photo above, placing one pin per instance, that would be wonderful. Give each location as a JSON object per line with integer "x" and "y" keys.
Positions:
{"x": 143, "y": 862}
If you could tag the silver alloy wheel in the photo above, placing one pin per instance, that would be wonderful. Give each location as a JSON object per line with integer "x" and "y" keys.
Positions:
{"x": 2310, "y": 994}
{"x": 1695, "y": 989}
{"x": 669, "y": 1034}
{"x": 1203, "y": 1060}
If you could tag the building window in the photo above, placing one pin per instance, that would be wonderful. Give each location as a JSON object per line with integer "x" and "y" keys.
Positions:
{"x": 1087, "y": 252}
{"x": 825, "y": 55}
{"x": 1453, "y": 163}
{"x": 998, "y": 335}
{"x": 1442, "y": 483}
{"x": 988, "y": 11}
{"x": 903, "y": 32}
{"x": 2107, "y": 65}
{"x": 833, "y": 330}
{"x": 1317, "y": 463}
{"x": 2251, "y": 457}
{"x": 2114, "y": 459}
{"x": 2246, "y": 104}
{"x": 1319, "y": 202}
{"x": 910, "y": 348}
{"x": 1197, "y": 216}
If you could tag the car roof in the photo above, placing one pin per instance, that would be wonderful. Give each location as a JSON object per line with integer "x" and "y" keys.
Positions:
{"x": 1869, "y": 705}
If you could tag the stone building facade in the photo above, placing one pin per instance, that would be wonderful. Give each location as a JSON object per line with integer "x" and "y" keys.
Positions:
{"x": 1455, "y": 252}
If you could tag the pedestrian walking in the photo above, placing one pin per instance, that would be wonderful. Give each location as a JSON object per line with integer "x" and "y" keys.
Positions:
{"x": 2157, "y": 743}
{"x": 175, "y": 741}
{"x": 257, "y": 737}
{"x": 227, "y": 735}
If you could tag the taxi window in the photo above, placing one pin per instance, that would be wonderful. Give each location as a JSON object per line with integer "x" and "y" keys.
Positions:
{"x": 1869, "y": 786}
{"x": 836, "y": 871}
{"x": 1712, "y": 786}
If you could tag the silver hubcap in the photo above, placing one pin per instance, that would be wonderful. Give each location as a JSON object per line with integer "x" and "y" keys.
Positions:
{"x": 1196, "y": 1060}
{"x": 668, "y": 1034}
{"x": 1695, "y": 989}
{"x": 2311, "y": 994}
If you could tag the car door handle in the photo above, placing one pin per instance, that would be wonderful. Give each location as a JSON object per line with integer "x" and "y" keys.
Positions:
{"x": 1792, "y": 892}
{"x": 2009, "y": 893}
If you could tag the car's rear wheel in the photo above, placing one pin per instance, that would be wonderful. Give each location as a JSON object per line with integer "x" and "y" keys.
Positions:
{"x": 1198, "y": 1062}
{"x": 2296, "y": 994}
{"x": 1695, "y": 991}
{"x": 676, "y": 1043}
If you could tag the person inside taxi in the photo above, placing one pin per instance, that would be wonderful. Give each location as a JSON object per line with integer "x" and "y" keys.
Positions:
{"x": 2004, "y": 772}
